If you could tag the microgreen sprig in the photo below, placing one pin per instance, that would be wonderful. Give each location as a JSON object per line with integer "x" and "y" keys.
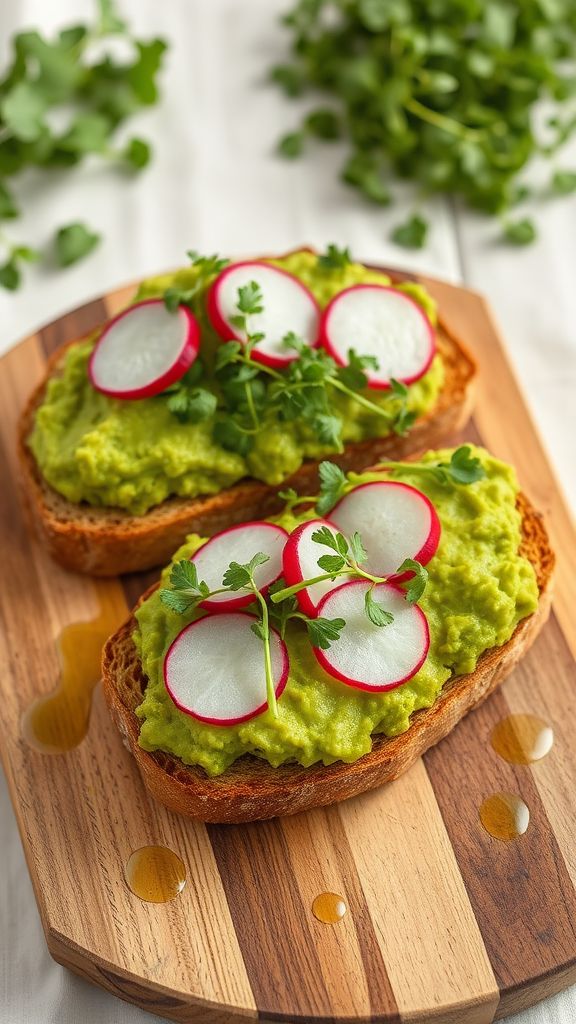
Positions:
{"x": 346, "y": 562}
{"x": 463, "y": 467}
{"x": 207, "y": 267}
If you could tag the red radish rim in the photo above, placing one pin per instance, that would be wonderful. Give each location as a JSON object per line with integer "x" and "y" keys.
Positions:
{"x": 281, "y": 686}
{"x": 229, "y": 333}
{"x": 290, "y": 559}
{"x": 356, "y": 684}
{"x": 430, "y": 545}
{"x": 374, "y": 382}
{"x": 188, "y": 354}
{"x": 237, "y": 602}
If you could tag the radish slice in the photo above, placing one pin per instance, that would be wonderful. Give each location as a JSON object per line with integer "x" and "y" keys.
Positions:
{"x": 214, "y": 669}
{"x": 287, "y": 306}
{"x": 143, "y": 350}
{"x": 239, "y": 544}
{"x": 379, "y": 321}
{"x": 300, "y": 562}
{"x": 373, "y": 657}
{"x": 394, "y": 520}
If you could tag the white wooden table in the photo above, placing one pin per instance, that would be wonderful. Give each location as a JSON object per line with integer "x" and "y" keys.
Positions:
{"x": 215, "y": 185}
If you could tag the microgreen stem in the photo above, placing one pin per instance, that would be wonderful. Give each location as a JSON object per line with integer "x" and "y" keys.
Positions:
{"x": 359, "y": 398}
{"x": 351, "y": 569}
{"x": 270, "y": 691}
{"x": 251, "y": 406}
{"x": 448, "y": 124}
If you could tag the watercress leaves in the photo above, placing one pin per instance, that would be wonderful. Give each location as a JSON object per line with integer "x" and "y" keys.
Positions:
{"x": 323, "y": 632}
{"x": 441, "y": 93}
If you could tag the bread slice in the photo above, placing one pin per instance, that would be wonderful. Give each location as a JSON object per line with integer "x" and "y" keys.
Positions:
{"x": 109, "y": 541}
{"x": 251, "y": 788}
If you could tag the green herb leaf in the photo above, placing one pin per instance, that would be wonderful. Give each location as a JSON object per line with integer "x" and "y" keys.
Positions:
{"x": 564, "y": 182}
{"x": 231, "y": 436}
{"x": 357, "y": 549}
{"x": 333, "y": 484}
{"x": 23, "y": 109}
{"x": 9, "y": 276}
{"x": 412, "y": 233}
{"x": 110, "y": 20}
{"x": 334, "y": 258}
{"x": 238, "y": 576}
{"x": 324, "y": 124}
{"x": 191, "y": 405}
{"x": 520, "y": 232}
{"x": 226, "y": 353}
{"x": 375, "y": 612}
{"x": 335, "y": 541}
{"x": 184, "y": 575}
{"x": 73, "y": 243}
{"x": 89, "y": 133}
{"x": 291, "y": 145}
{"x": 289, "y": 495}
{"x": 258, "y": 629}
{"x": 464, "y": 468}
{"x": 137, "y": 153}
{"x": 331, "y": 563}
{"x": 250, "y": 299}
{"x": 323, "y": 632}
{"x": 8, "y": 207}
{"x": 416, "y": 585}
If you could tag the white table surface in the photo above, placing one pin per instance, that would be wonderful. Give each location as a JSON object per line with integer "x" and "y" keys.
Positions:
{"x": 215, "y": 185}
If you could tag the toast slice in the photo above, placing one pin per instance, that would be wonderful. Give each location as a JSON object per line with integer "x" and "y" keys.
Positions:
{"x": 109, "y": 541}
{"x": 252, "y": 789}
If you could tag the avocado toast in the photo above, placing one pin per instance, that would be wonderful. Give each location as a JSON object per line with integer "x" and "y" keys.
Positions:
{"x": 115, "y": 485}
{"x": 487, "y": 596}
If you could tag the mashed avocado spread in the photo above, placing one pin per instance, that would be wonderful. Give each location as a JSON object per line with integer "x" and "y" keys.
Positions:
{"x": 135, "y": 454}
{"x": 479, "y": 588}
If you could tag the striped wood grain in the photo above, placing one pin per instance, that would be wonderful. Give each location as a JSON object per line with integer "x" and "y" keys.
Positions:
{"x": 443, "y": 922}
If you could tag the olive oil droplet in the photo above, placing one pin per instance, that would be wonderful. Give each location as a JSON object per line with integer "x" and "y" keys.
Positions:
{"x": 522, "y": 739}
{"x": 504, "y": 816}
{"x": 58, "y": 722}
{"x": 329, "y": 908}
{"x": 155, "y": 874}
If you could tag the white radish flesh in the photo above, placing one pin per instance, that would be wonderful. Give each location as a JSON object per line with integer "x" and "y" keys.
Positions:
{"x": 214, "y": 669}
{"x": 143, "y": 350}
{"x": 239, "y": 544}
{"x": 300, "y": 562}
{"x": 287, "y": 306}
{"x": 394, "y": 520}
{"x": 382, "y": 322}
{"x": 371, "y": 657}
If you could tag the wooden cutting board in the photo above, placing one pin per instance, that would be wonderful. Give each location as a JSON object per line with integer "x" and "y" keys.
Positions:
{"x": 444, "y": 922}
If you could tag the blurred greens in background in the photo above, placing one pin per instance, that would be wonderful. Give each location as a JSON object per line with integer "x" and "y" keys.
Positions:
{"x": 61, "y": 100}
{"x": 440, "y": 92}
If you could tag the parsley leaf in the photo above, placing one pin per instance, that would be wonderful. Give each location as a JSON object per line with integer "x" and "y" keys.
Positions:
{"x": 375, "y": 612}
{"x": 357, "y": 549}
{"x": 416, "y": 585}
{"x": 412, "y": 233}
{"x": 323, "y": 632}
{"x": 464, "y": 468}
{"x": 334, "y": 258}
{"x": 333, "y": 482}
{"x": 191, "y": 405}
{"x": 564, "y": 183}
{"x": 331, "y": 563}
{"x": 291, "y": 145}
{"x": 238, "y": 576}
{"x": 73, "y": 243}
{"x": 520, "y": 232}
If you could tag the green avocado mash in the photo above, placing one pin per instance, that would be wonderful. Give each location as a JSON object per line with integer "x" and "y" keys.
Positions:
{"x": 478, "y": 590}
{"x": 134, "y": 454}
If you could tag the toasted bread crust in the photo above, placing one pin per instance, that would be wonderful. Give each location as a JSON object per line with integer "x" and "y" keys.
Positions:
{"x": 251, "y": 789}
{"x": 110, "y": 541}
